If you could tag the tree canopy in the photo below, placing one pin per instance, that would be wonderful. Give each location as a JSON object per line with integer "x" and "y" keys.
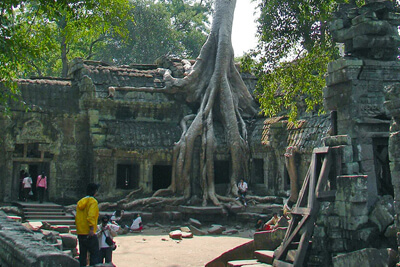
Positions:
{"x": 38, "y": 38}
{"x": 174, "y": 27}
{"x": 294, "y": 48}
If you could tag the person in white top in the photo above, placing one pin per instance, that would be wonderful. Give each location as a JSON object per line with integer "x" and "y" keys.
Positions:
{"x": 106, "y": 230}
{"x": 27, "y": 184}
{"x": 242, "y": 191}
{"x": 137, "y": 225}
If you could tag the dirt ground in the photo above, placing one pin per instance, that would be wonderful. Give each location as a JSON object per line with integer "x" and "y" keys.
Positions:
{"x": 153, "y": 247}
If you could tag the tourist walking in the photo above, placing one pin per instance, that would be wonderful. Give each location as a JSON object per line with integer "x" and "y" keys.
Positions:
{"x": 87, "y": 215}
{"x": 105, "y": 233}
{"x": 41, "y": 186}
{"x": 27, "y": 185}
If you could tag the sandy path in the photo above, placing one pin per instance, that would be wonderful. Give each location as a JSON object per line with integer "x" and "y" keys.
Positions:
{"x": 154, "y": 248}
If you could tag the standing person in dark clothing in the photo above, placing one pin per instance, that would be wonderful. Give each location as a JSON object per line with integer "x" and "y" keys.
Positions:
{"x": 41, "y": 186}
{"x": 87, "y": 215}
{"x": 21, "y": 186}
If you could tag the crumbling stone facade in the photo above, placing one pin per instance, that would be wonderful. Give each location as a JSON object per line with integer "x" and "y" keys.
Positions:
{"x": 111, "y": 125}
{"x": 361, "y": 217}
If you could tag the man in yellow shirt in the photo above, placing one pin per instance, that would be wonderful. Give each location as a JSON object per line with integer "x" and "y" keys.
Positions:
{"x": 87, "y": 214}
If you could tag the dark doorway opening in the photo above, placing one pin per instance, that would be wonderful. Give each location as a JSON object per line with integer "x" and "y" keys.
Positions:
{"x": 127, "y": 176}
{"x": 221, "y": 171}
{"x": 286, "y": 179}
{"x": 258, "y": 171}
{"x": 162, "y": 175}
{"x": 34, "y": 170}
{"x": 382, "y": 168}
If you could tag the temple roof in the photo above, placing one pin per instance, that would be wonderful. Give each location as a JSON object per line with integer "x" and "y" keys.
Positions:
{"x": 305, "y": 134}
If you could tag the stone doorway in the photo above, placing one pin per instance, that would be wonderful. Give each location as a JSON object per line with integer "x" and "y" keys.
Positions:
{"x": 34, "y": 169}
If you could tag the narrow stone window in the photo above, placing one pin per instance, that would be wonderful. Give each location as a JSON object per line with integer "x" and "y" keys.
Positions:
{"x": 127, "y": 176}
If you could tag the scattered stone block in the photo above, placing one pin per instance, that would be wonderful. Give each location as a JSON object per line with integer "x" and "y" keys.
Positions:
{"x": 177, "y": 234}
{"x": 185, "y": 229}
{"x": 196, "y": 231}
{"x": 230, "y": 232}
{"x": 195, "y": 222}
{"x": 187, "y": 235}
{"x": 15, "y": 218}
{"x": 368, "y": 257}
{"x": 69, "y": 241}
{"x": 216, "y": 229}
{"x": 61, "y": 228}
{"x": 391, "y": 231}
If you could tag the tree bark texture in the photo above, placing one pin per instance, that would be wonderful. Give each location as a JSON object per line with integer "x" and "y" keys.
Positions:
{"x": 214, "y": 83}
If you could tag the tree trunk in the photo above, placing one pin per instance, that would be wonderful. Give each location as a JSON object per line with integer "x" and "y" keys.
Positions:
{"x": 217, "y": 86}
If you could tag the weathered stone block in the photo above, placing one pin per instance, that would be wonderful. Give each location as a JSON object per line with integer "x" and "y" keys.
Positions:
{"x": 319, "y": 231}
{"x": 333, "y": 222}
{"x": 368, "y": 257}
{"x": 216, "y": 229}
{"x": 377, "y": 41}
{"x": 343, "y": 63}
{"x": 353, "y": 222}
{"x": 391, "y": 231}
{"x": 269, "y": 240}
{"x": 366, "y": 235}
{"x": 195, "y": 222}
{"x": 338, "y": 245}
{"x": 337, "y": 140}
{"x": 337, "y": 24}
{"x": 350, "y": 168}
{"x": 197, "y": 231}
{"x": 383, "y": 213}
{"x": 336, "y": 234}
{"x": 352, "y": 188}
{"x": 359, "y": 209}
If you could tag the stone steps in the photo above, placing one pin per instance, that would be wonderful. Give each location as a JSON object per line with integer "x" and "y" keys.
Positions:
{"x": 264, "y": 256}
{"x": 48, "y": 212}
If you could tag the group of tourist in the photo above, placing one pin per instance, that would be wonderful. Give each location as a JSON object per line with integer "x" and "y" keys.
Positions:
{"x": 26, "y": 186}
{"x": 97, "y": 239}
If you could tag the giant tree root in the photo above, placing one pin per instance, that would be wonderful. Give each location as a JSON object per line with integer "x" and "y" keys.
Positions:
{"x": 173, "y": 201}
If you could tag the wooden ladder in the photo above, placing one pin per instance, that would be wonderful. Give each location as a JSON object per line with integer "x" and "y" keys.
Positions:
{"x": 319, "y": 185}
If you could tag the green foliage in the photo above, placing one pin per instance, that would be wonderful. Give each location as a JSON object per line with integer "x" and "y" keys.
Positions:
{"x": 294, "y": 49}
{"x": 34, "y": 33}
{"x": 175, "y": 27}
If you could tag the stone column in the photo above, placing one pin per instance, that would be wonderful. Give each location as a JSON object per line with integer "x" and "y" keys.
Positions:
{"x": 393, "y": 105}
{"x": 355, "y": 83}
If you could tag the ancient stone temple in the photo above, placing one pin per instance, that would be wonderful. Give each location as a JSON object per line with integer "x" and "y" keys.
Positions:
{"x": 111, "y": 125}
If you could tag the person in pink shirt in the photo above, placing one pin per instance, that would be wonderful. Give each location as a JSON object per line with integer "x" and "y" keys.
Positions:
{"x": 41, "y": 186}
